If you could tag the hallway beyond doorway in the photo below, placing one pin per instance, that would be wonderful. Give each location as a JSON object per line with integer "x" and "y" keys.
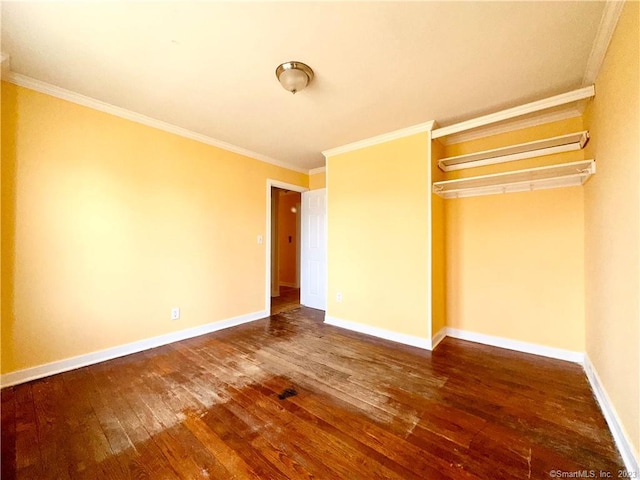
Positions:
{"x": 289, "y": 299}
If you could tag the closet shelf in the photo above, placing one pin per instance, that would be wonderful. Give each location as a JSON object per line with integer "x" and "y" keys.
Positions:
{"x": 561, "y": 175}
{"x": 519, "y": 111}
{"x": 537, "y": 148}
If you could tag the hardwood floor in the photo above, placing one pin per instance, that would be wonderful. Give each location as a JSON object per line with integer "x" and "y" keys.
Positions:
{"x": 363, "y": 408}
{"x": 289, "y": 299}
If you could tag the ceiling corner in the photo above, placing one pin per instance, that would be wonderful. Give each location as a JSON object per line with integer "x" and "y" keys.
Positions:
{"x": 608, "y": 22}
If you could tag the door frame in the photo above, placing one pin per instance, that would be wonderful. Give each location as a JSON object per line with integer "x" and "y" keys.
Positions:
{"x": 286, "y": 186}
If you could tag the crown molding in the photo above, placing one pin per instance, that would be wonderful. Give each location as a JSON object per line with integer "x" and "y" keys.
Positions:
{"x": 314, "y": 171}
{"x": 608, "y": 22}
{"x": 520, "y": 110}
{"x": 385, "y": 137}
{"x": 541, "y": 119}
{"x": 58, "y": 92}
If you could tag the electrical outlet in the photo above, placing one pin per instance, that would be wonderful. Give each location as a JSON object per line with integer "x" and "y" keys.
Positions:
{"x": 175, "y": 313}
{"x": 339, "y": 297}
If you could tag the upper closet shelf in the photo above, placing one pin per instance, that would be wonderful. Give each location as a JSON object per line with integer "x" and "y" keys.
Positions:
{"x": 519, "y": 111}
{"x": 562, "y": 175}
{"x": 537, "y": 148}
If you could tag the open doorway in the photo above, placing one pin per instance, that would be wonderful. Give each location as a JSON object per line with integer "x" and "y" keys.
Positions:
{"x": 285, "y": 249}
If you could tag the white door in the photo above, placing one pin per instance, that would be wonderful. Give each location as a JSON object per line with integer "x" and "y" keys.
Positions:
{"x": 314, "y": 249}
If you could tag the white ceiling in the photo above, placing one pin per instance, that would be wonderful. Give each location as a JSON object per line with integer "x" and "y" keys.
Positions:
{"x": 380, "y": 66}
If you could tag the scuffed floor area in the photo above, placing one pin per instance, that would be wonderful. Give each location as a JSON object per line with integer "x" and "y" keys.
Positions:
{"x": 289, "y": 397}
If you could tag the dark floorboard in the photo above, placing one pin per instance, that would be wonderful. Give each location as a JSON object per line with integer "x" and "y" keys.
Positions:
{"x": 356, "y": 407}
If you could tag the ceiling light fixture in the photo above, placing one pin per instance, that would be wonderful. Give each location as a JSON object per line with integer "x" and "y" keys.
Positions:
{"x": 294, "y": 76}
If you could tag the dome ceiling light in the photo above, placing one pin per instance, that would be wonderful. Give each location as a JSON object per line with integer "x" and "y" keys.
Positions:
{"x": 294, "y": 76}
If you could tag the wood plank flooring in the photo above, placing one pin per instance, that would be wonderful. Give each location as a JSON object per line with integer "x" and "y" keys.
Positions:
{"x": 364, "y": 408}
{"x": 288, "y": 300}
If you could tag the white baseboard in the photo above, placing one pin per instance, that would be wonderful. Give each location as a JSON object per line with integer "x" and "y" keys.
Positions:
{"x": 525, "y": 347}
{"x": 33, "y": 373}
{"x": 625, "y": 447}
{"x": 379, "y": 332}
{"x": 438, "y": 337}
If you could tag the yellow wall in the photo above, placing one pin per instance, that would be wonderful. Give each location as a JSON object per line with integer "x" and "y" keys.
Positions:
{"x": 287, "y": 228}
{"x": 515, "y": 262}
{"x": 612, "y": 235}
{"x": 108, "y": 224}
{"x": 377, "y": 210}
{"x": 438, "y": 247}
{"x": 317, "y": 181}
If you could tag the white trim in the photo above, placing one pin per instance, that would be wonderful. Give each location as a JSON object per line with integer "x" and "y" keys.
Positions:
{"x": 33, "y": 373}
{"x": 554, "y": 176}
{"x": 568, "y": 147}
{"x": 525, "y": 347}
{"x": 429, "y": 265}
{"x": 510, "y": 153}
{"x": 620, "y": 436}
{"x": 527, "y": 108}
{"x": 326, "y": 238}
{"x": 438, "y": 337}
{"x": 267, "y": 237}
{"x": 315, "y": 171}
{"x": 490, "y": 130}
{"x": 385, "y": 137}
{"x": 68, "y": 95}
{"x": 608, "y": 22}
{"x": 403, "y": 338}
